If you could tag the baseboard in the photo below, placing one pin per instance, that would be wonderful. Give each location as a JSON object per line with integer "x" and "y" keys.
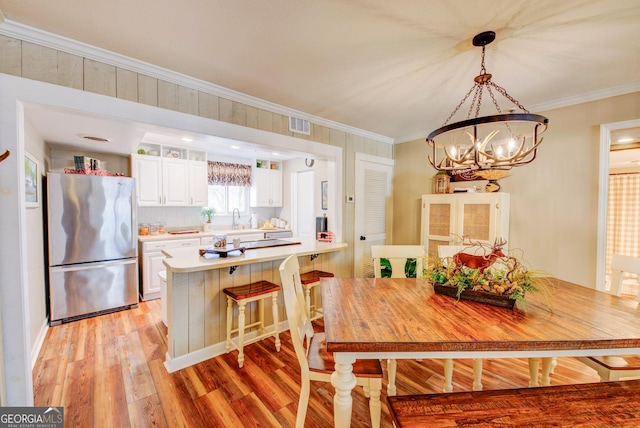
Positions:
{"x": 200, "y": 355}
{"x": 35, "y": 350}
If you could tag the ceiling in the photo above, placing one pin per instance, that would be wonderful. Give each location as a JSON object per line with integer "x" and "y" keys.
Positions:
{"x": 396, "y": 69}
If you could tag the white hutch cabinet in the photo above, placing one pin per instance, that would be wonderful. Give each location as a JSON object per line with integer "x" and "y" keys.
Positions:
{"x": 478, "y": 217}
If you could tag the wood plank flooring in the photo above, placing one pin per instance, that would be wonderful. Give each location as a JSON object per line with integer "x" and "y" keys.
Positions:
{"x": 107, "y": 371}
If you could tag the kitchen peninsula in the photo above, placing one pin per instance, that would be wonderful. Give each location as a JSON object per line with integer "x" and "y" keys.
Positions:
{"x": 196, "y": 305}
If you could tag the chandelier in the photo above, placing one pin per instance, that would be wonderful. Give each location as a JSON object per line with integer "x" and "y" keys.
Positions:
{"x": 500, "y": 141}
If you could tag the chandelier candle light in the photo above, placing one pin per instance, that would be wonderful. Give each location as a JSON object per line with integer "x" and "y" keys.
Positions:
{"x": 500, "y": 141}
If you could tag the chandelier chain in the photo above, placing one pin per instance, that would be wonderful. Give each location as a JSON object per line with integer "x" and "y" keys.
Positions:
{"x": 458, "y": 106}
{"x": 504, "y": 93}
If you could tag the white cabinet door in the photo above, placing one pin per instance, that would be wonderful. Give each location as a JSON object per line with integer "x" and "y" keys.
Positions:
{"x": 151, "y": 282}
{"x": 275, "y": 184}
{"x": 175, "y": 182}
{"x": 148, "y": 173}
{"x": 198, "y": 184}
{"x": 266, "y": 190}
{"x": 152, "y": 258}
{"x": 474, "y": 217}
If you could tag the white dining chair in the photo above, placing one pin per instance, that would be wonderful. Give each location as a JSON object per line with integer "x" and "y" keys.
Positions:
{"x": 612, "y": 368}
{"x": 397, "y": 255}
{"x": 310, "y": 347}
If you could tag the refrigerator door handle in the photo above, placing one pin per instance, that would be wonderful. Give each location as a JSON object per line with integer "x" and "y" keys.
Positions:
{"x": 85, "y": 266}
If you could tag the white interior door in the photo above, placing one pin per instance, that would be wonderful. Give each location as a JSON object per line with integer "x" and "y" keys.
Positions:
{"x": 304, "y": 206}
{"x": 373, "y": 209}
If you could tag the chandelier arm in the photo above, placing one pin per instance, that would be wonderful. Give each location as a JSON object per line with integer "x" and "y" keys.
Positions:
{"x": 517, "y": 156}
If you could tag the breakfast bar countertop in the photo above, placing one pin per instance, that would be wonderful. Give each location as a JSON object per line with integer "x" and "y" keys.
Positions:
{"x": 180, "y": 260}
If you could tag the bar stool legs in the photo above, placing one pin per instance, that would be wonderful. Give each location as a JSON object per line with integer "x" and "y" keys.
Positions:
{"x": 242, "y": 295}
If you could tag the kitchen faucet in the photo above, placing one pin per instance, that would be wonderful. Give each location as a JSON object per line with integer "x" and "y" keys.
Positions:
{"x": 233, "y": 218}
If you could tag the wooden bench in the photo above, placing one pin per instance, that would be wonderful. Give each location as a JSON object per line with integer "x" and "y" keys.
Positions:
{"x": 590, "y": 404}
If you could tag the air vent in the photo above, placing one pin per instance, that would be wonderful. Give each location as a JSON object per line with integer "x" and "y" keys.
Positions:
{"x": 301, "y": 126}
{"x": 94, "y": 138}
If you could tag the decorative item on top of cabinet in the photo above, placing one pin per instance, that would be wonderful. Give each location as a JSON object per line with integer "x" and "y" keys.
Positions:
{"x": 446, "y": 219}
{"x": 167, "y": 175}
{"x": 441, "y": 182}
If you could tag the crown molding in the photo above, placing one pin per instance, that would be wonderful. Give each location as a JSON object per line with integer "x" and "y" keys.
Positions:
{"x": 587, "y": 97}
{"x": 40, "y": 37}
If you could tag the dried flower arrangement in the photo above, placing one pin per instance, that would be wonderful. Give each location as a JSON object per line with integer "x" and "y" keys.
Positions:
{"x": 493, "y": 273}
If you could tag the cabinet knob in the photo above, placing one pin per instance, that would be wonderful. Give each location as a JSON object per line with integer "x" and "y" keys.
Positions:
{"x": 363, "y": 238}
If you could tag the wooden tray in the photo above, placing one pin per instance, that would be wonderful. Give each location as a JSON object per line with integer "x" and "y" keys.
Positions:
{"x": 222, "y": 251}
{"x": 476, "y": 296}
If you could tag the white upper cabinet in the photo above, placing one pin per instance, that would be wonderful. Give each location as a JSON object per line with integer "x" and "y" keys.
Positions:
{"x": 147, "y": 171}
{"x": 476, "y": 217}
{"x": 266, "y": 187}
{"x": 198, "y": 183}
{"x": 170, "y": 176}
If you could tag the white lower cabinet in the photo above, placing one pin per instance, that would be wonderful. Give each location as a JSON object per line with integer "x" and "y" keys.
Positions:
{"x": 152, "y": 257}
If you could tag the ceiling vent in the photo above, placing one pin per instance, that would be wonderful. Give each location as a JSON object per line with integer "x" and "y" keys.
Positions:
{"x": 301, "y": 126}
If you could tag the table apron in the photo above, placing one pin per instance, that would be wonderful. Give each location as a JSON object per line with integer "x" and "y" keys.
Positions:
{"x": 493, "y": 354}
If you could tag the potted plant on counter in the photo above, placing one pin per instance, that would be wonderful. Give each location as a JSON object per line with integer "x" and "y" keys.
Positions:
{"x": 208, "y": 212}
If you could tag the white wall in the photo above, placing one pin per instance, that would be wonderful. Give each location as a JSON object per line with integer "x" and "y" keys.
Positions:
{"x": 35, "y": 251}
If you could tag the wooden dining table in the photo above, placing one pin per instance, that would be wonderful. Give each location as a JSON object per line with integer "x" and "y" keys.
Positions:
{"x": 403, "y": 318}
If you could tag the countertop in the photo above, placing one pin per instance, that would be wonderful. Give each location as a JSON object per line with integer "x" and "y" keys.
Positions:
{"x": 180, "y": 260}
{"x": 201, "y": 234}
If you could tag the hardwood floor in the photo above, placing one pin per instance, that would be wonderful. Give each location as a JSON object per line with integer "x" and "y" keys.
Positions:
{"x": 108, "y": 371}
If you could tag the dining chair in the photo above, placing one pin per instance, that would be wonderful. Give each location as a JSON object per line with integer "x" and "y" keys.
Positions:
{"x": 315, "y": 362}
{"x": 612, "y": 368}
{"x": 397, "y": 257}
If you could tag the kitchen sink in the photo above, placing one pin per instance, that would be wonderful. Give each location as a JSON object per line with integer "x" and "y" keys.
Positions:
{"x": 265, "y": 243}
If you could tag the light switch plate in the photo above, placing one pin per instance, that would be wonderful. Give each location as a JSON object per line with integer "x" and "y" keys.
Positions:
{"x": 350, "y": 199}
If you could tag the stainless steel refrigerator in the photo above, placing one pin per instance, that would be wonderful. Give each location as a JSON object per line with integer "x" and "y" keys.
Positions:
{"x": 92, "y": 245}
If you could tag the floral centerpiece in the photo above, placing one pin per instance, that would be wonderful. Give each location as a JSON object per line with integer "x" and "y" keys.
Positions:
{"x": 491, "y": 277}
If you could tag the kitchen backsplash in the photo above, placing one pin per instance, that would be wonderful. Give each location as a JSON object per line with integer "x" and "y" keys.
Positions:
{"x": 187, "y": 217}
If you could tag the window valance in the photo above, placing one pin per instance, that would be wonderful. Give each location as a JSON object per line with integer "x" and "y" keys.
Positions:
{"x": 229, "y": 174}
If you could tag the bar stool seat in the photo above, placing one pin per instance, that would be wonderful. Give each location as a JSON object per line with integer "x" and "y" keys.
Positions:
{"x": 241, "y": 295}
{"x": 310, "y": 280}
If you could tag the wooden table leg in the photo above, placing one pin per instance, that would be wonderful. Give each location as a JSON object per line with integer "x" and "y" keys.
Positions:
{"x": 343, "y": 381}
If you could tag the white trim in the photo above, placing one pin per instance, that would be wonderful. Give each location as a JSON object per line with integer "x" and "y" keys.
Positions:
{"x": 37, "y": 346}
{"x": 212, "y": 351}
{"x": 34, "y": 35}
{"x": 603, "y": 196}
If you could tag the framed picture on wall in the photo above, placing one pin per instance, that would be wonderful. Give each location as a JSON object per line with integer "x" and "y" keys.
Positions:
{"x": 324, "y": 190}
{"x": 31, "y": 181}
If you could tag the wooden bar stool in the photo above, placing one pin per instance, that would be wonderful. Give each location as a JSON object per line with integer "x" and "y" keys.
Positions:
{"x": 310, "y": 280}
{"x": 243, "y": 294}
